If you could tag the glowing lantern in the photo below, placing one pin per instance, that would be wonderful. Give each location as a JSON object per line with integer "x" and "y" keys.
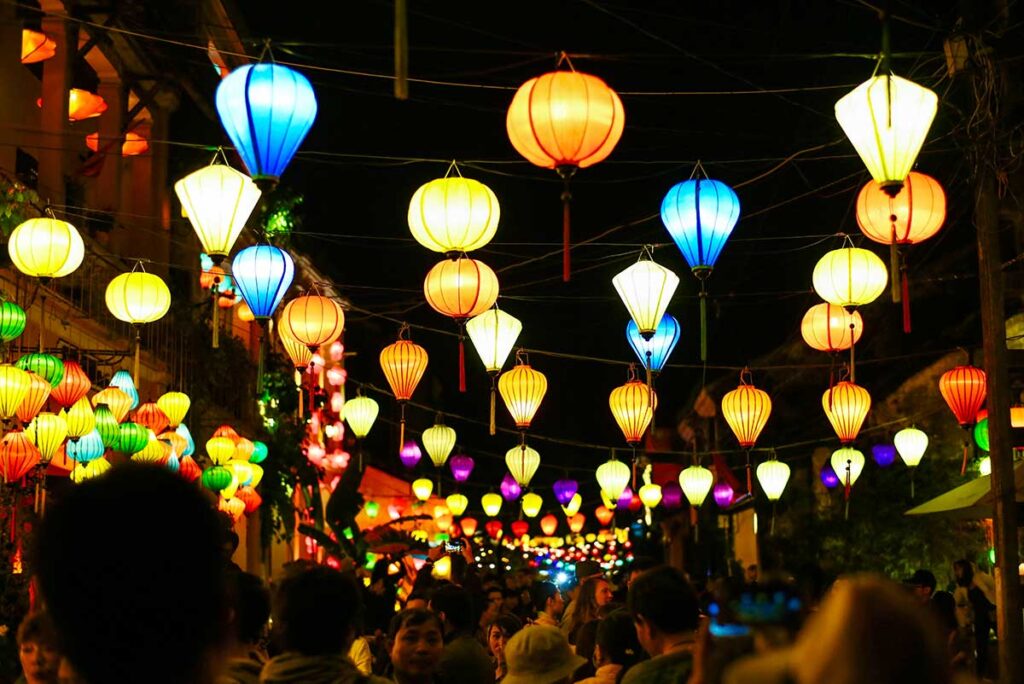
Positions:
{"x": 565, "y": 490}
{"x": 36, "y": 46}
{"x": 985, "y": 466}
{"x": 263, "y": 274}
{"x": 493, "y": 528}
{"x": 438, "y": 440}
{"x": 646, "y": 289}
{"x": 243, "y": 470}
{"x": 491, "y": 503}
{"x": 613, "y": 476}
{"x": 218, "y": 200}
{"x": 532, "y": 504}
{"x": 243, "y": 450}
{"x": 122, "y": 380}
{"x": 86, "y": 448}
{"x": 848, "y": 464}
{"x": 565, "y": 120}
{"x": 250, "y": 497}
{"x": 232, "y": 506}
{"x": 73, "y": 386}
{"x": 106, "y": 425}
{"x": 47, "y": 431}
{"x": 115, "y": 399}
{"x": 220, "y": 449}
{"x": 174, "y": 405}
{"x": 35, "y": 398}
{"x": 244, "y": 313}
{"x": 217, "y": 478}
{"x": 549, "y": 524}
{"x": 134, "y": 144}
{"x": 14, "y": 385}
{"x": 964, "y": 389}
{"x": 149, "y": 415}
{"x": 81, "y": 419}
{"x": 696, "y": 482}
{"x": 827, "y": 327}
{"x": 913, "y": 215}
{"x": 650, "y": 495}
{"x": 633, "y": 406}
{"x": 403, "y": 363}
{"x": 849, "y": 277}
{"x": 522, "y": 462}
{"x": 654, "y": 352}
{"x": 671, "y": 495}
{"x": 846, "y": 406}
{"x": 178, "y": 443}
{"x": 46, "y": 248}
{"x": 493, "y": 334}
{"x": 883, "y": 454}
{"x": 422, "y": 488}
{"x": 603, "y": 515}
{"x": 574, "y": 504}
{"x": 576, "y": 523}
{"x": 259, "y": 452}
{"x": 299, "y": 353}
{"x": 46, "y": 365}
{"x": 372, "y": 509}
{"x": 773, "y": 476}
{"x": 468, "y": 526}
{"x": 453, "y": 215}
{"x": 266, "y": 110}
{"x": 911, "y": 444}
{"x": 18, "y": 455}
{"x": 887, "y": 119}
{"x": 360, "y": 413}
{"x": 522, "y": 389}
{"x": 746, "y": 410}
{"x": 461, "y": 467}
{"x": 510, "y": 489}
{"x": 457, "y": 503}
{"x": 12, "y": 321}
{"x": 410, "y": 454}
{"x": 132, "y": 438}
{"x": 153, "y": 450}
{"x": 313, "y": 320}
{"x": 723, "y": 494}
{"x": 828, "y": 476}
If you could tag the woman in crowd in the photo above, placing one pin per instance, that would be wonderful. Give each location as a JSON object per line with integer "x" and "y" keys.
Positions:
{"x": 617, "y": 649}
{"x": 594, "y": 594}
{"x": 499, "y": 632}
{"x": 415, "y": 643}
{"x": 37, "y": 650}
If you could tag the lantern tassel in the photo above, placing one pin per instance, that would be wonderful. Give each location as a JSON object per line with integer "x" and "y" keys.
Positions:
{"x": 462, "y": 364}
{"x": 750, "y": 483}
{"x": 650, "y": 389}
{"x": 401, "y": 51}
{"x": 905, "y": 286}
{"x": 695, "y": 521}
{"x": 138, "y": 344}
{"x": 894, "y": 267}
{"x": 853, "y": 357}
{"x": 260, "y": 359}
{"x": 771, "y": 531}
{"x": 493, "y": 426}
{"x": 300, "y": 401}
{"x": 703, "y": 323}
{"x": 912, "y": 483}
{"x": 963, "y": 465}
{"x": 846, "y": 494}
{"x": 566, "y": 199}
{"x": 216, "y": 319}
{"x": 401, "y": 429}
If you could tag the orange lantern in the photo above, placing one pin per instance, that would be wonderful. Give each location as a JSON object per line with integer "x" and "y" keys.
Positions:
{"x": 632, "y": 406}
{"x": 461, "y": 288}
{"x": 189, "y": 469}
{"x": 211, "y": 277}
{"x": 468, "y": 526}
{"x": 229, "y": 432}
{"x": 36, "y": 46}
{"x": 913, "y": 215}
{"x": 149, "y": 415}
{"x": 73, "y": 386}
{"x": 313, "y": 320}
{"x": 549, "y": 524}
{"x": 300, "y": 354}
{"x": 250, "y": 497}
{"x": 134, "y": 144}
{"x": 846, "y": 406}
{"x": 116, "y": 399}
{"x": 403, "y": 363}
{"x": 577, "y": 522}
{"x": 565, "y": 120}
{"x": 603, "y": 515}
{"x": 522, "y": 389}
{"x": 964, "y": 388}
{"x": 18, "y": 455}
{"x": 39, "y": 389}
{"x": 244, "y": 313}
{"x": 746, "y": 410}
{"x": 827, "y": 327}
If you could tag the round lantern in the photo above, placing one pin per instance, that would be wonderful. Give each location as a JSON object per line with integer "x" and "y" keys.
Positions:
{"x": 453, "y": 215}
{"x": 549, "y": 525}
{"x": 18, "y": 456}
{"x": 576, "y": 522}
{"x": 457, "y": 503}
{"x": 493, "y": 528}
{"x": 613, "y": 477}
{"x": 773, "y": 476}
{"x": 263, "y": 273}
{"x": 266, "y": 110}
{"x": 849, "y": 277}
{"x": 468, "y": 526}
{"x": 911, "y": 444}
{"x": 81, "y": 419}
{"x": 46, "y": 365}
{"x": 633, "y": 406}
{"x": 36, "y": 46}
{"x": 403, "y": 363}
{"x": 244, "y": 313}
{"x": 883, "y": 454}
{"x": 696, "y": 482}
{"x": 746, "y": 410}
{"x": 35, "y": 398}
{"x": 461, "y": 288}
{"x": 532, "y": 503}
{"x": 522, "y": 389}
{"x": 132, "y": 438}
{"x": 565, "y": 490}
{"x": 887, "y": 119}
{"x": 217, "y": 478}
{"x": 646, "y": 289}
{"x": 73, "y": 386}
{"x": 115, "y": 399}
{"x": 14, "y": 385}
{"x": 827, "y": 327}
{"x": 12, "y": 321}
{"x": 650, "y": 495}
{"x": 654, "y": 352}
{"x": 522, "y": 462}
{"x": 603, "y": 515}
{"x": 964, "y": 388}
{"x": 218, "y": 201}
{"x": 438, "y": 440}
{"x": 174, "y": 405}
{"x": 913, "y": 215}
{"x": 422, "y": 488}
{"x": 47, "y": 431}
{"x": 574, "y": 504}
{"x": 565, "y": 120}
{"x": 461, "y": 467}
{"x": 491, "y": 503}
{"x": 122, "y": 380}
{"x": 510, "y": 489}
{"x": 313, "y": 320}
{"x": 410, "y": 454}
{"x": 846, "y": 406}
{"x": 46, "y": 248}
{"x": 360, "y": 413}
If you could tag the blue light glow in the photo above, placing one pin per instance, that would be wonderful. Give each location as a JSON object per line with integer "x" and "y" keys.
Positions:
{"x": 263, "y": 274}
{"x": 123, "y": 381}
{"x": 700, "y": 216}
{"x": 661, "y": 344}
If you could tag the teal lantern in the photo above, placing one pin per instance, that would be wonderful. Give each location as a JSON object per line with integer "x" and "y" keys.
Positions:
{"x": 107, "y": 426}
{"x": 12, "y": 321}
{"x": 216, "y": 478}
{"x": 183, "y": 431}
{"x": 46, "y": 365}
{"x": 259, "y": 452}
{"x": 123, "y": 381}
{"x": 86, "y": 448}
{"x": 132, "y": 437}
{"x": 654, "y": 353}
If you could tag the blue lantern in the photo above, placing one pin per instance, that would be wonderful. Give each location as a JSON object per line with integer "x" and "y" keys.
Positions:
{"x": 86, "y": 448}
{"x": 123, "y": 381}
{"x": 266, "y": 110}
{"x": 191, "y": 445}
{"x": 654, "y": 353}
{"x": 263, "y": 273}
{"x": 700, "y": 215}
{"x": 884, "y": 454}
{"x": 172, "y": 463}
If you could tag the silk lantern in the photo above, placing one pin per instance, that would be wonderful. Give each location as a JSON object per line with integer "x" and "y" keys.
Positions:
{"x": 457, "y": 503}
{"x": 491, "y": 503}
{"x": 520, "y": 528}
{"x": 468, "y": 526}
{"x": 218, "y": 200}
{"x": 531, "y": 504}
{"x": 646, "y": 289}
{"x": 14, "y": 385}
{"x": 846, "y": 405}
{"x": 830, "y": 328}
{"x": 746, "y": 409}
{"x": 453, "y": 215}
{"x": 509, "y": 488}
{"x": 106, "y": 425}
{"x": 613, "y": 477}
{"x": 46, "y": 248}
{"x": 18, "y": 456}
{"x": 410, "y": 454}
{"x": 86, "y": 448}
{"x": 773, "y": 476}
{"x": 522, "y": 462}
{"x": 134, "y": 143}
{"x": 883, "y": 454}
{"x": 36, "y": 46}
{"x": 887, "y": 119}
{"x": 12, "y": 321}
{"x": 263, "y": 274}
{"x": 723, "y": 494}
{"x": 964, "y": 389}
{"x": 493, "y": 334}
{"x": 654, "y": 352}
{"x": 604, "y": 515}
{"x": 115, "y": 399}
{"x": 123, "y": 381}
{"x": 549, "y": 525}
{"x": 81, "y": 419}
{"x": 522, "y": 389}
{"x": 696, "y": 482}
{"x": 847, "y": 463}
{"x": 632, "y": 405}
{"x": 577, "y": 522}
{"x": 461, "y": 288}
{"x": 46, "y": 365}
{"x": 360, "y": 413}
{"x": 137, "y": 298}
{"x": 461, "y": 467}
{"x": 422, "y": 488}
{"x": 35, "y": 398}
{"x": 565, "y": 490}
{"x": 493, "y": 528}
{"x": 438, "y": 440}
{"x": 266, "y": 110}
{"x": 574, "y": 504}
{"x": 650, "y": 495}
{"x": 565, "y": 120}
{"x": 174, "y": 405}
{"x": 47, "y": 431}
{"x": 313, "y": 319}
{"x": 220, "y": 450}
{"x": 911, "y": 444}
{"x": 403, "y": 363}
{"x": 73, "y": 386}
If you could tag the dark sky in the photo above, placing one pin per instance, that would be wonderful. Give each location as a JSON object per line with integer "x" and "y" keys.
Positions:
{"x": 759, "y": 289}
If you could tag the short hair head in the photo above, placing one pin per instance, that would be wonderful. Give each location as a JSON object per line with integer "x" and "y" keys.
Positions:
{"x": 316, "y": 610}
{"x": 250, "y": 606}
{"x": 413, "y": 617}
{"x": 664, "y": 598}
{"x": 456, "y": 605}
{"x": 541, "y": 592}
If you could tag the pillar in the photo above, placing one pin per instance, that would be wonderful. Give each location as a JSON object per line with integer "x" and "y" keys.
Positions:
{"x": 54, "y": 142}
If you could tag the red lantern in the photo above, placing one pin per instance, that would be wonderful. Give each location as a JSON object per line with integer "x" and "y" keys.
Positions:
{"x": 577, "y": 522}
{"x": 964, "y": 389}
{"x": 17, "y": 456}
{"x": 189, "y": 469}
{"x": 549, "y": 524}
{"x": 635, "y": 504}
{"x": 493, "y": 528}
{"x": 403, "y": 363}
{"x": 149, "y": 415}
{"x": 73, "y": 386}
{"x": 468, "y": 526}
{"x": 227, "y": 431}
{"x": 603, "y": 515}
{"x": 846, "y": 406}
{"x": 520, "y": 528}
{"x": 250, "y": 497}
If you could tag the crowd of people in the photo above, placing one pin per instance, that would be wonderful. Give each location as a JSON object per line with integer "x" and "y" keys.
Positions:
{"x": 135, "y": 586}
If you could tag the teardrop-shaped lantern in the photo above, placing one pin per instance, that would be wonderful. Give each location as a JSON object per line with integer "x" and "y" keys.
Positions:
{"x": 14, "y": 385}
{"x": 964, "y": 388}
{"x": 46, "y": 248}
{"x": 911, "y": 444}
{"x": 531, "y": 504}
{"x": 18, "y": 456}
{"x": 746, "y": 410}
{"x": 116, "y": 400}
{"x": 313, "y": 319}
{"x": 650, "y": 495}
{"x": 494, "y": 333}
{"x": 81, "y": 419}
{"x": 522, "y": 462}
{"x": 696, "y": 482}
{"x": 298, "y": 352}
{"x": 565, "y": 489}
{"x": 491, "y": 503}
{"x": 35, "y": 398}
{"x": 848, "y": 463}
{"x": 827, "y": 327}
{"x": 773, "y": 476}
{"x": 263, "y": 274}
{"x": 86, "y": 448}
{"x": 646, "y": 289}
{"x": 453, "y": 215}
{"x": 47, "y": 431}
{"x": 133, "y": 438}
{"x": 403, "y": 363}
{"x": 106, "y": 425}
{"x": 123, "y": 381}
{"x": 266, "y": 110}
{"x": 887, "y": 119}
{"x": 613, "y": 477}
{"x": 220, "y": 449}
{"x": 438, "y": 441}
{"x": 360, "y": 413}
{"x": 73, "y": 386}
{"x": 633, "y": 406}
{"x": 457, "y": 503}
{"x": 522, "y": 389}
{"x": 850, "y": 277}
{"x": 461, "y": 467}
{"x": 174, "y": 405}
{"x": 217, "y": 200}
{"x": 654, "y": 352}
{"x": 846, "y": 406}
{"x": 549, "y": 525}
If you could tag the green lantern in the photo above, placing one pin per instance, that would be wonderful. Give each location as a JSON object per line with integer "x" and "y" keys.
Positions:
{"x": 46, "y": 365}
{"x": 132, "y": 437}
{"x": 981, "y": 434}
{"x": 259, "y": 452}
{"x": 372, "y": 509}
{"x": 12, "y": 321}
{"x": 216, "y": 478}
{"x": 106, "y": 425}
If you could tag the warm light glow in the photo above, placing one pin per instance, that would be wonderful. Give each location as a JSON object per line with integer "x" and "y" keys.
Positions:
{"x": 73, "y": 386}
{"x": 613, "y": 476}
{"x": 138, "y": 297}
{"x": 549, "y": 524}
{"x": 646, "y": 289}
{"x": 35, "y": 398}
{"x": 461, "y": 288}
{"x": 438, "y": 440}
{"x": 522, "y": 462}
{"x": 81, "y": 419}
{"x": 174, "y": 405}
{"x": 650, "y": 495}
{"x": 603, "y": 515}
{"x": 47, "y": 431}
{"x": 422, "y": 488}
{"x": 14, "y": 385}
{"x": 847, "y": 464}
{"x": 522, "y": 389}
{"x": 915, "y": 214}
{"x": 453, "y": 214}
{"x": 985, "y": 466}
{"x": 632, "y": 407}
{"x": 457, "y": 503}
{"x": 403, "y": 363}
{"x": 773, "y": 476}
{"x": 491, "y": 503}
{"x": 220, "y": 449}
{"x": 746, "y": 409}
{"x": 360, "y": 414}
{"x": 468, "y": 526}
{"x": 299, "y": 353}
{"x": 911, "y": 444}
{"x": 134, "y": 144}
{"x": 314, "y": 320}
{"x": 218, "y": 200}
{"x": 36, "y": 46}
{"x": 46, "y": 248}
{"x": 826, "y": 327}
{"x": 494, "y": 333}
{"x": 850, "y": 277}
{"x": 964, "y": 388}
{"x": 532, "y": 503}
{"x": 846, "y": 406}
{"x": 696, "y": 482}
{"x": 573, "y": 507}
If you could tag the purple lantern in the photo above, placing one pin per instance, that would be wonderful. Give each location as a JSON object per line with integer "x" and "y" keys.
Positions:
{"x": 410, "y": 454}
{"x": 828, "y": 476}
{"x": 884, "y": 455}
{"x": 625, "y": 499}
{"x": 671, "y": 495}
{"x": 723, "y": 494}
{"x": 565, "y": 490}
{"x": 510, "y": 489}
{"x": 461, "y": 466}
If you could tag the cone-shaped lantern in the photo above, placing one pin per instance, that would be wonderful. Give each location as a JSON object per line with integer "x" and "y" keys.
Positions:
{"x": 847, "y": 463}
{"x": 654, "y": 352}
{"x": 360, "y": 413}
{"x": 522, "y": 462}
{"x": 403, "y": 363}
{"x": 773, "y": 476}
{"x": 174, "y": 405}
{"x": 217, "y": 200}
{"x": 846, "y": 406}
{"x": 911, "y": 444}
{"x": 696, "y": 482}
{"x": 522, "y": 389}
{"x": 646, "y": 289}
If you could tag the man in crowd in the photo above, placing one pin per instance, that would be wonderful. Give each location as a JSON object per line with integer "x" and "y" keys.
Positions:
{"x": 464, "y": 658}
{"x": 540, "y": 654}
{"x": 922, "y": 583}
{"x": 548, "y": 602}
{"x": 665, "y": 610}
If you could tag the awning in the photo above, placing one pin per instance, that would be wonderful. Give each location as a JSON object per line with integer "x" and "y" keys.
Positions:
{"x": 970, "y": 501}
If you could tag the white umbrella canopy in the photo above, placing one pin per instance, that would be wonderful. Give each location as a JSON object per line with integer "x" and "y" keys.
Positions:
{"x": 969, "y": 501}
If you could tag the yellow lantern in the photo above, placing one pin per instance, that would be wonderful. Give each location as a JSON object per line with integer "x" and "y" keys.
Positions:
{"x": 439, "y": 440}
{"x": 422, "y": 488}
{"x": 312, "y": 319}
{"x": 850, "y": 277}
{"x": 633, "y": 406}
{"x": 232, "y": 506}
{"x": 848, "y": 463}
{"x": 14, "y": 385}
{"x": 220, "y": 449}
{"x": 155, "y": 451}
{"x": 360, "y": 414}
{"x": 38, "y": 392}
{"x": 522, "y": 462}
{"x": 609, "y": 501}
{"x": 573, "y": 507}
{"x": 532, "y": 503}
{"x": 911, "y": 444}
{"x": 243, "y": 470}
{"x": 613, "y": 476}
{"x": 453, "y": 215}
{"x": 773, "y": 476}
{"x": 646, "y": 289}
{"x": 138, "y": 297}
{"x": 116, "y": 399}
{"x": 457, "y": 503}
{"x": 522, "y": 390}
{"x": 80, "y": 419}
{"x": 174, "y": 405}
{"x": 493, "y": 334}
{"x": 696, "y": 482}
{"x": 461, "y": 288}
{"x": 218, "y": 201}
{"x": 442, "y": 568}
{"x": 46, "y": 248}
{"x": 36, "y": 46}
{"x": 846, "y": 406}
{"x": 887, "y": 119}
{"x": 746, "y": 410}
{"x": 491, "y": 503}
{"x": 47, "y": 431}
{"x": 650, "y": 495}
{"x": 831, "y": 328}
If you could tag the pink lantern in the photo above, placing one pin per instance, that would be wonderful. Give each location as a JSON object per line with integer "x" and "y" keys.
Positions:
{"x": 723, "y": 494}
{"x": 336, "y": 375}
{"x": 337, "y": 350}
{"x": 337, "y": 401}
